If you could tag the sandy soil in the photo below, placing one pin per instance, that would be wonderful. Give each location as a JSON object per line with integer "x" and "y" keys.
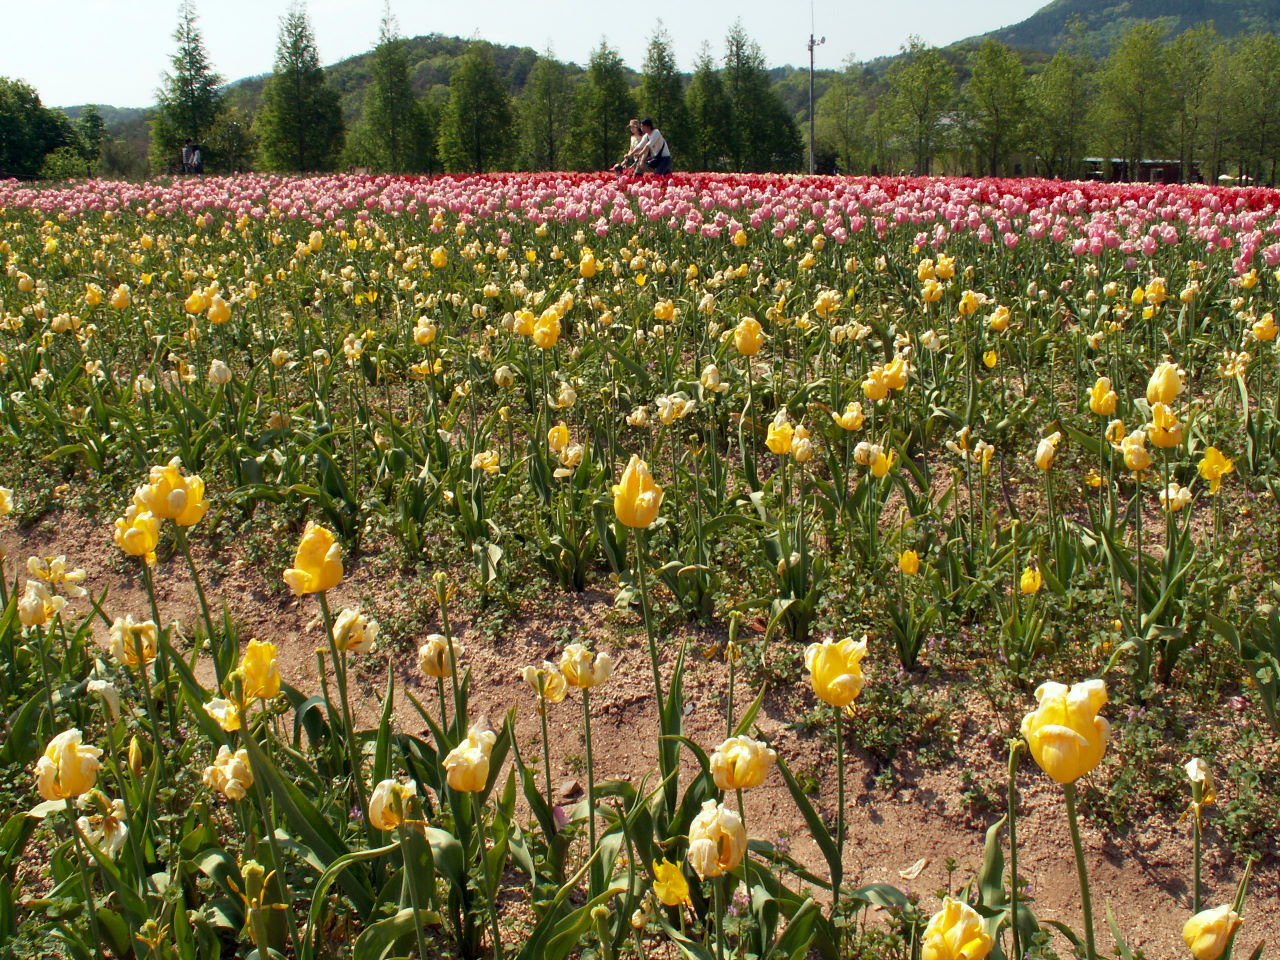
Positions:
{"x": 1143, "y": 875}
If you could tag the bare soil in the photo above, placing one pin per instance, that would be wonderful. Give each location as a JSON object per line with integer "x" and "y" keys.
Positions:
{"x": 1142, "y": 875}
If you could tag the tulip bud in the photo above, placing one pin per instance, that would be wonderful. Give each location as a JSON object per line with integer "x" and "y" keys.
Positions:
{"x": 1209, "y": 931}
{"x": 135, "y": 757}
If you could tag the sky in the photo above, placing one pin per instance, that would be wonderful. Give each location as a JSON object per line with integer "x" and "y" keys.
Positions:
{"x": 114, "y": 51}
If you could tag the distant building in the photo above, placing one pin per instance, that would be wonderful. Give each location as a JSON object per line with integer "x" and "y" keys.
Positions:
{"x": 1115, "y": 169}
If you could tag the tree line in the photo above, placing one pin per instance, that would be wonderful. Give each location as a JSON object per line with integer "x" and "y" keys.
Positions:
{"x": 727, "y": 117}
{"x": 1201, "y": 102}
{"x": 1198, "y": 101}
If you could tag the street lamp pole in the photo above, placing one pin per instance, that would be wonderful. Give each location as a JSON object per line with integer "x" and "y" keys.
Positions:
{"x": 814, "y": 42}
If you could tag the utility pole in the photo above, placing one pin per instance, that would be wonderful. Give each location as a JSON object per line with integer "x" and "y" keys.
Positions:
{"x": 813, "y": 43}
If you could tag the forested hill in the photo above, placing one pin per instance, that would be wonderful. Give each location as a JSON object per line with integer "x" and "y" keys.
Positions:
{"x": 1103, "y": 22}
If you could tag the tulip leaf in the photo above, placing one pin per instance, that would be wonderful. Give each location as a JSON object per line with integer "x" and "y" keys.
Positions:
{"x": 378, "y": 940}
{"x": 817, "y": 828}
{"x": 321, "y": 889}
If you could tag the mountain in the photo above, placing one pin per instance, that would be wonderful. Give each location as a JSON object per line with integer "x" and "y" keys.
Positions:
{"x": 1104, "y": 21}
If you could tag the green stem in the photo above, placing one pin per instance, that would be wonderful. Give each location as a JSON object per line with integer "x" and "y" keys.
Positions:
{"x": 410, "y": 875}
{"x": 89, "y": 900}
{"x": 1196, "y": 897}
{"x": 1086, "y": 902}
{"x": 546, "y": 741}
{"x": 185, "y": 545}
{"x": 718, "y": 886}
{"x": 1015, "y": 749}
{"x": 596, "y": 881}
{"x": 835, "y": 881}
{"x": 349, "y": 731}
{"x": 491, "y": 900}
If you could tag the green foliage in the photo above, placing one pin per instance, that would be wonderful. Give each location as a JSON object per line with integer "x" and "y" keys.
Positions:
{"x": 602, "y": 106}
{"x": 1060, "y": 98}
{"x": 545, "y": 108}
{"x": 300, "y": 127}
{"x": 396, "y": 133}
{"x": 28, "y": 130}
{"x": 708, "y": 108}
{"x": 995, "y": 102}
{"x": 189, "y": 101}
{"x": 921, "y": 90}
{"x": 475, "y": 130}
{"x": 762, "y": 135}
{"x": 661, "y": 92}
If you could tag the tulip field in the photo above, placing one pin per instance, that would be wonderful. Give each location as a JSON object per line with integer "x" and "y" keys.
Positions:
{"x": 550, "y": 566}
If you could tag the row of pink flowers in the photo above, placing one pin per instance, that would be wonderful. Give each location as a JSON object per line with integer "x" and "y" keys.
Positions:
{"x": 1086, "y": 218}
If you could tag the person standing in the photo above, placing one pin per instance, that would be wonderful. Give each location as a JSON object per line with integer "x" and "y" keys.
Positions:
{"x": 655, "y": 152}
{"x": 187, "y": 150}
{"x": 197, "y": 159}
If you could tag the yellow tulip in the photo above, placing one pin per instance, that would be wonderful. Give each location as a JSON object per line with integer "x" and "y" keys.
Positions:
{"x": 717, "y": 840}
{"x": 1102, "y": 399}
{"x": 259, "y": 671}
{"x": 748, "y": 336}
{"x": 909, "y": 562}
{"x": 138, "y": 533}
{"x": 896, "y": 373}
{"x": 558, "y": 437}
{"x": 225, "y": 713}
{"x": 546, "y": 330}
{"x": 637, "y": 498}
{"x": 120, "y": 297}
{"x": 1065, "y": 733}
{"x": 1047, "y": 450}
{"x": 171, "y": 496}
{"x": 546, "y": 681}
{"x": 582, "y": 669}
{"x": 669, "y": 884}
{"x": 219, "y": 310}
{"x": 741, "y": 763}
{"x": 38, "y": 604}
{"x": 92, "y": 294}
{"x": 353, "y": 632}
{"x": 230, "y": 773}
{"x": 317, "y": 565}
{"x": 133, "y": 644}
{"x": 387, "y": 803}
{"x": 882, "y": 463}
{"x": 1165, "y": 430}
{"x": 1214, "y": 466}
{"x": 1209, "y": 931}
{"x": 6, "y": 501}
{"x": 467, "y": 765}
{"x": 851, "y": 419}
{"x": 1136, "y": 456}
{"x": 956, "y": 932}
{"x": 1265, "y": 329}
{"x": 1165, "y": 384}
{"x": 487, "y": 461}
{"x": 875, "y": 386}
{"x": 197, "y": 302}
{"x": 1031, "y": 581}
{"x": 740, "y": 239}
{"x": 780, "y": 434}
{"x": 968, "y": 303}
{"x": 68, "y": 768}
{"x": 588, "y": 266}
{"x": 835, "y": 670}
{"x": 433, "y": 656}
{"x": 990, "y": 359}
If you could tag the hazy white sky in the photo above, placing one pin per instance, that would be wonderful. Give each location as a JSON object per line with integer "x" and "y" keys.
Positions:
{"x": 113, "y": 51}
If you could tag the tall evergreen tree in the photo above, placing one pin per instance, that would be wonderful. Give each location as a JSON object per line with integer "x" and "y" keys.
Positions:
{"x": 922, "y": 88}
{"x": 1060, "y": 98}
{"x": 475, "y": 132}
{"x": 301, "y": 127}
{"x": 396, "y": 133}
{"x": 188, "y": 102}
{"x": 995, "y": 103}
{"x": 91, "y": 131}
{"x": 603, "y": 105}
{"x": 707, "y": 105}
{"x": 763, "y": 134}
{"x": 661, "y": 92}
{"x": 1135, "y": 104}
{"x": 545, "y": 108}
{"x": 1256, "y": 89}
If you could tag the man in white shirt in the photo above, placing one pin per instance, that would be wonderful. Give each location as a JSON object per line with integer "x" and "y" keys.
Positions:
{"x": 655, "y": 153}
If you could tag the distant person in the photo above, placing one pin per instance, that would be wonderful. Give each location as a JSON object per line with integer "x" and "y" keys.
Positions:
{"x": 632, "y": 156}
{"x": 655, "y": 153}
{"x": 197, "y": 159}
{"x": 188, "y": 149}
